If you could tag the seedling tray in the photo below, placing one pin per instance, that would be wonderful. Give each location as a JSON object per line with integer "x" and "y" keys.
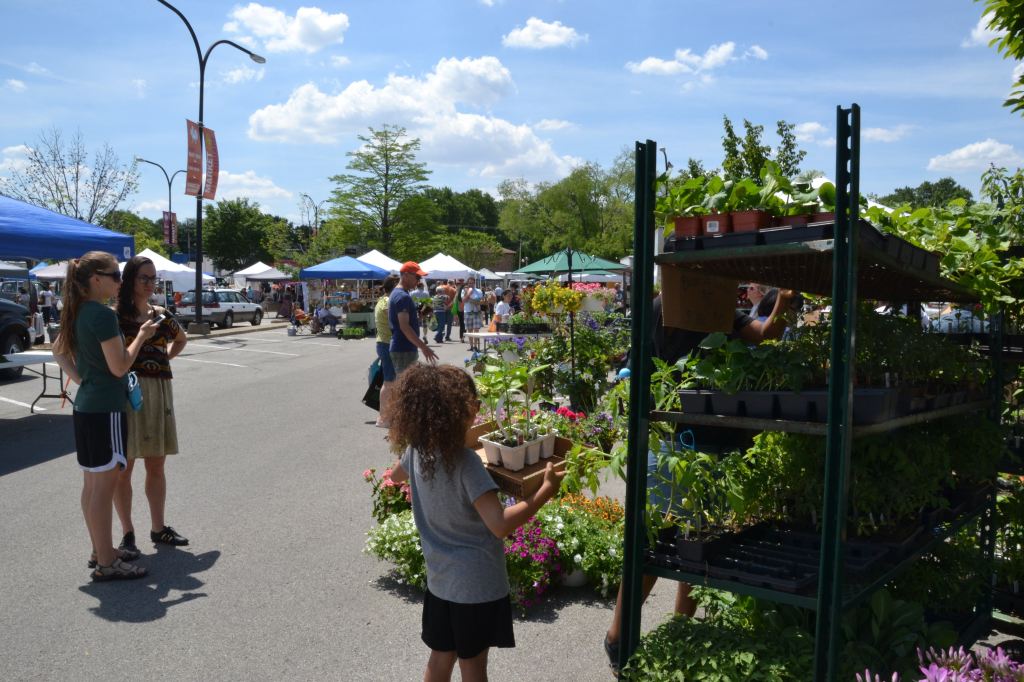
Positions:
{"x": 523, "y": 483}
{"x": 730, "y": 240}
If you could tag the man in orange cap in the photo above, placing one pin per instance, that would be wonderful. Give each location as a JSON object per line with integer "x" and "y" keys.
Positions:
{"x": 404, "y": 321}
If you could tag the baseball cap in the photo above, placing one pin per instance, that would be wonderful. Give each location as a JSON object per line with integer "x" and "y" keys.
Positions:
{"x": 413, "y": 267}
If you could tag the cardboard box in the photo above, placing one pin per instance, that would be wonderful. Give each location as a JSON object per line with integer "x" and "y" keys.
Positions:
{"x": 526, "y": 481}
{"x": 696, "y": 301}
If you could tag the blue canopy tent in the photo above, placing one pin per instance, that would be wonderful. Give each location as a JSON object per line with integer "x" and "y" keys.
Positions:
{"x": 345, "y": 267}
{"x": 31, "y": 232}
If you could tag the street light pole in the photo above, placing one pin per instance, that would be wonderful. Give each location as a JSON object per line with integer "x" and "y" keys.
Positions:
{"x": 203, "y": 57}
{"x": 316, "y": 211}
{"x": 170, "y": 179}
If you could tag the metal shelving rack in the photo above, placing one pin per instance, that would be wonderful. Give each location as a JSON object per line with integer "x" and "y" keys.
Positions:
{"x": 831, "y": 267}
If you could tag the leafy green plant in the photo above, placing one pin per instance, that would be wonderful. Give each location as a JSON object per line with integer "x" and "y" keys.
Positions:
{"x": 680, "y": 199}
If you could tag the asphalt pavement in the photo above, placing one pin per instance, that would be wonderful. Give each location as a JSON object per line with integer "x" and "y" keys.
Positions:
{"x": 269, "y": 489}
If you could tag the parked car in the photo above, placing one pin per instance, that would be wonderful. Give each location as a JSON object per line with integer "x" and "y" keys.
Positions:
{"x": 14, "y": 334}
{"x": 222, "y": 307}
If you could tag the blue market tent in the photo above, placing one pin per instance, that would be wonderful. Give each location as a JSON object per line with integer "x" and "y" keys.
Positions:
{"x": 345, "y": 267}
{"x": 30, "y": 232}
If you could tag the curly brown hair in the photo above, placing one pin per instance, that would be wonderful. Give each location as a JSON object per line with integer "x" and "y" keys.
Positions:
{"x": 433, "y": 406}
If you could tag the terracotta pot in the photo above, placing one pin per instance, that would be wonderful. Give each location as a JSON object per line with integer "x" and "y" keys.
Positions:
{"x": 750, "y": 221}
{"x": 687, "y": 226}
{"x": 794, "y": 220}
{"x": 716, "y": 223}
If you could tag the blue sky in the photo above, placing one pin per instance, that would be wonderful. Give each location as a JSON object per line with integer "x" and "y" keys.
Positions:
{"x": 501, "y": 89}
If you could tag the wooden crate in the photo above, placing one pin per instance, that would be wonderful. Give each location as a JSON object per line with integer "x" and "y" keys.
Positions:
{"x": 526, "y": 481}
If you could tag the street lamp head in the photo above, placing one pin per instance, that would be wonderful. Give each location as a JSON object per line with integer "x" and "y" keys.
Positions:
{"x": 257, "y": 58}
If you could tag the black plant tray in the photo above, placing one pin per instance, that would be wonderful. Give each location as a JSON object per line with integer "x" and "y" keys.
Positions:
{"x": 789, "y": 233}
{"x": 528, "y": 328}
{"x": 870, "y": 405}
{"x": 900, "y": 541}
{"x": 730, "y": 240}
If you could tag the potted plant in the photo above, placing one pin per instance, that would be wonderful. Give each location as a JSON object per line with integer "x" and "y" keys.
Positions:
{"x": 751, "y": 206}
{"x": 682, "y": 206}
{"x": 715, "y": 220}
{"x": 500, "y": 387}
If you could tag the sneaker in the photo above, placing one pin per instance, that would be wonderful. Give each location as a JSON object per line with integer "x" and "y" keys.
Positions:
{"x": 168, "y": 536}
{"x": 612, "y": 650}
{"x": 129, "y": 552}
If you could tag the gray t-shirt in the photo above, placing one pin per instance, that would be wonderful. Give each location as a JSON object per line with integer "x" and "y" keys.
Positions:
{"x": 465, "y": 562}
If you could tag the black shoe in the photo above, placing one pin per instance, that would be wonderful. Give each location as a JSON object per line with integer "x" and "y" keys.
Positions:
{"x": 168, "y": 536}
{"x": 612, "y": 650}
{"x": 129, "y": 551}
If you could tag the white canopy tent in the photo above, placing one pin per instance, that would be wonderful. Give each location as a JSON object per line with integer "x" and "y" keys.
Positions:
{"x": 489, "y": 274}
{"x": 258, "y": 271}
{"x": 181, "y": 276}
{"x": 52, "y": 272}
{"x": 380, "y": 260}
{"x": 441, "y": 266}
{"x": 254, "y": 269}
{"x": 591, "y": 277}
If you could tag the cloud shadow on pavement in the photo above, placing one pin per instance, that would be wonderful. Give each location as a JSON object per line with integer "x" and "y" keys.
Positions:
{"x": 146, "y": 599}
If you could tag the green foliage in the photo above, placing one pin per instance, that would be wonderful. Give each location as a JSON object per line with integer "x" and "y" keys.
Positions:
{"x": 589, "y": 536}
{"x": 1009, "y": 525}
{"x": 746, "y": 157}
{"x": 475, "y": 249}
{"x": 385, "y": 173}
{"x": 472, "y": 208}
{"x": 788, "y": 155}
{"x": 1007, "y": 18}
{"x": 928, "y": 194}
{"x": 947, "y": 579}
{"x": 721, "y": 649}
{"x": 148, "y": 234}
{"x": 417, "y": 229}
{"x": 234, "y": 232}
{"x": 388, "y": 497}
{"x": 282, "y": 240}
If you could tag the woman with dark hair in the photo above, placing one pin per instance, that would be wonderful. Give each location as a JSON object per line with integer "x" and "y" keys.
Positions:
{"x": 152, "y": 433}
{"x": 91, "y": 349}
{"x": 387, "y": 368}
{"x": 466, "y": 609}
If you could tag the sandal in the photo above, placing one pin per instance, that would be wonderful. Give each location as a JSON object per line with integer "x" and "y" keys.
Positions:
{"x": 118, "y": 570}
{"x": 122, "y": 553}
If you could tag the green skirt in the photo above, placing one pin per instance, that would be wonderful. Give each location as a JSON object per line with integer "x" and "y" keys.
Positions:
{"x": 152, "y": 431}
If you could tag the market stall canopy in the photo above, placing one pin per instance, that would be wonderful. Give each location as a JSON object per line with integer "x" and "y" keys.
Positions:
{"x": 597, "y": 276}
{"x": 51, "y": 272}
{"x": 27, "y": 231}
{"x": 581, "y": 262}
{"x": 181, "y": 276}
{"x": 378, "y": 259}
{"x": 441, "y": 266}
{"x": 269, "y": 275}
{"x": 488, "y": 274}
{"x": 13, "y": 270}
{"x": 345, "y": 267}
{"x": 254, "y": 269}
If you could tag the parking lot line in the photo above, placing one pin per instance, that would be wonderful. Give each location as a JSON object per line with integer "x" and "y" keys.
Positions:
{"x": 209, "y": 362}
{"x": 21, "y": 404}
{"x": 242, "y": 350}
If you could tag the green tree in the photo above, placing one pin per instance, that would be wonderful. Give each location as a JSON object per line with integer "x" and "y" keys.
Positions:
{"x": 421, "y": 231}
{"x": 471, "y": 208}
{"x": 385, "y": 173}
{"x": 149, "y": 234}
{"x": 475, "y": 249}
{"x": 1007, "y": 18}
{"x": 284, "y": 240}
{"x": 928, "y": 194}
{"x": 234, "y": 233}
{"x": 744, "y": 158}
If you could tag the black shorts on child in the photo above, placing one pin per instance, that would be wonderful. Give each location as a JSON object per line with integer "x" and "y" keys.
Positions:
{"x": 100, "y": 440}
{"x": 466, "y": 629}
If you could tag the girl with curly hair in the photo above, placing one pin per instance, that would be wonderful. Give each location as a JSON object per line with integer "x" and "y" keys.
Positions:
{"x": 466, "y": 609}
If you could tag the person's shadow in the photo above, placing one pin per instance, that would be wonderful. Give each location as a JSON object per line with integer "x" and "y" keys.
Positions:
{"x": 145, "y": 599}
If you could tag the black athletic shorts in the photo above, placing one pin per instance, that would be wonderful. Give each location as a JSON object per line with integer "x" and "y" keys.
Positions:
{"x": 100, "y": 440}
{"x": 466, "y": 629}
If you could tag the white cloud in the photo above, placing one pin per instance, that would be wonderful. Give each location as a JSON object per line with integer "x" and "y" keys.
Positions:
{"x": 981, "y": 34}
{"x": 539, "y": 35}
{"x": 34, "y": 68}
{"x": 13, "y": 159}
{"x": 153, "y": 206}
{"x": 15, "y": 85}
{"x": 812, "y": 132}
{"x": 243, "y": 74}
{"x": 310, "y": 30}
{"x": 140, "y": 87}
{"x": 887, "y": 134}
{"x": 553, "y": 124}
{"x": 976, "y": 156}
{"x": 339, "y": 61}
{"x": 248, "y": 184}
{"x": 429, "y": 107}
{"x": 686, "y": 62}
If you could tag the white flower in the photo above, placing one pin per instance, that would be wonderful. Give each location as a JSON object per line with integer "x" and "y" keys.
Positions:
{"x": 578, "y": 559}
{"x": 611, "y": 551}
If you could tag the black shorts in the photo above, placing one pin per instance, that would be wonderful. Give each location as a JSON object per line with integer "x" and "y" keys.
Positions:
{"x": 100, "y": 440}
{"x": 467, "y": 629}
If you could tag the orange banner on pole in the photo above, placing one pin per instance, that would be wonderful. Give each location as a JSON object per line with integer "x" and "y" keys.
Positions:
{"x": 212, "y": 164}
{"x": 194, "y": 174}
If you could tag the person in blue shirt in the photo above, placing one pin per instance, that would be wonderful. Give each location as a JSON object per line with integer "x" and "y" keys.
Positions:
{"x": 404, "y": 321}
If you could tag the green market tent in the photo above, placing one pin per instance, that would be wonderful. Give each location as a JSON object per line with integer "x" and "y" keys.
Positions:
{"x": 559, "y": 262}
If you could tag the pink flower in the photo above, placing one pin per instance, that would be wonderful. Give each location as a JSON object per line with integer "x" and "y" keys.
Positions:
{"x": 368, "y": 475}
